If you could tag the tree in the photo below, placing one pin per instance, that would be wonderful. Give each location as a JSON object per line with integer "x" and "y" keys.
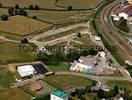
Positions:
{"x": 11, "y": 11}
{"x": 31, "y": 7}
{"x": 69, "y": 8}
{"x": 79, "y": 34}
{"x": 100, "y": 93}
{"x": 16, "y": 12}
{"x": 4, "y": 17}
{"x": 16, "y": 6}
{"x": 116, "y": 90}
{"x": 94, "y": 83}
{"x": 37, "y": 7}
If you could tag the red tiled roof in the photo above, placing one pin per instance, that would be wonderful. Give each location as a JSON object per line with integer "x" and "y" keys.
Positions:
{"x": 36, "y": 86}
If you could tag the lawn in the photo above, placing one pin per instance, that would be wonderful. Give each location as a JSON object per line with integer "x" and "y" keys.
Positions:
{"x": 14, "y": 94}
{"x": 60, "y": 35}
{"x": 21, "y": 25}
{"x": 10, "y": 53}
{"x": 122, "y": 84}
{"x": 62, "y": 66}
{"x": 67, "y": 81}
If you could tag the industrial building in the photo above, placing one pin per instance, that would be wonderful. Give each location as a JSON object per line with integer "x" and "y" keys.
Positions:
{"x": 31, "y": 69}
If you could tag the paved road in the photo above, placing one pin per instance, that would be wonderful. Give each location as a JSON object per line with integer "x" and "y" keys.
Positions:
{"x": 94, "y": 77}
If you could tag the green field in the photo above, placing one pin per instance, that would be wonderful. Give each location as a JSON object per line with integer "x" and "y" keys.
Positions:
{"x": 67, "y": 81}
{"x": 10, "y": 53}
{"x": 14, "y": 94}
{"x": 59, "y": 67}
{"x": 122, "y": 84}
{"x": 6, "y": 77}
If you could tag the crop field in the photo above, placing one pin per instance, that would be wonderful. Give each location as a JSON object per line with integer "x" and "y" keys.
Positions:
{"x": 21, "y": 25}
{"x": 10, "y": 52}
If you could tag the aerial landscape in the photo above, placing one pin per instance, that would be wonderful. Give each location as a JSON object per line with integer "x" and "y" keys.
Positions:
{"x": 65, "y": 49}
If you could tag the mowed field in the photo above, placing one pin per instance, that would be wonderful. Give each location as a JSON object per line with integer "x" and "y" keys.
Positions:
{"x": 10, "y": 53}
{"x": 21, "y": 25}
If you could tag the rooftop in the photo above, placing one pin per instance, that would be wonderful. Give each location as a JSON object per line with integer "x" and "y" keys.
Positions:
{"x": 60, "y": 93}
{"x": 36, "y": 86}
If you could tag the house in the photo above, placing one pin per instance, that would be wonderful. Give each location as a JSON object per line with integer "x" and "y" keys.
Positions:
{"x": 59, "y": 95}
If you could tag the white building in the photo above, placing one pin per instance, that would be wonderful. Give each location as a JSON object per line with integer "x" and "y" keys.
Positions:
{"x": 59, "y": 95}
{"x": 26, "y": 70}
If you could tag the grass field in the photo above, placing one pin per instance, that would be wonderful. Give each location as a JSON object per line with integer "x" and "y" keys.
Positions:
{"x": 21, "y": 25}
{"x": 67, "y": 81}
{"x": 51, "y": 3}
{"x": 6, "y": 77}
{"x": 3, "y": 11}
{"x": 122, "y": 84}
{"x": 60, "y": 17}
{"x": 79, "y": 4}
{"x": 9, "y": 53}
{"x": 59, "y": 67}
{"x": 14, "y": 94}
{"x": 60, "y": 35}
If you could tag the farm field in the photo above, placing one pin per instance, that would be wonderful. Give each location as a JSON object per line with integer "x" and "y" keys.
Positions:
{"x": 61, "y": 82}
{"x": 14, "y": 94}
{"x": 21, "y": 25}
{"x": 9, "y": 53}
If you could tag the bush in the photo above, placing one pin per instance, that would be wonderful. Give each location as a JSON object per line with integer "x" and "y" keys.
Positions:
{"x": 69, "y": 8}
{"x": 11, "y": 11}
{"x": 34, "y": 17}
{"x": 25, "y": 40}
{"x": 4, "y": 17}
{"x": 22, "y": 12}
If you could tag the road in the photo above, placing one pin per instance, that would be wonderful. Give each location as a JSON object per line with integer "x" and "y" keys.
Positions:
{"x": 101, "y": 78}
